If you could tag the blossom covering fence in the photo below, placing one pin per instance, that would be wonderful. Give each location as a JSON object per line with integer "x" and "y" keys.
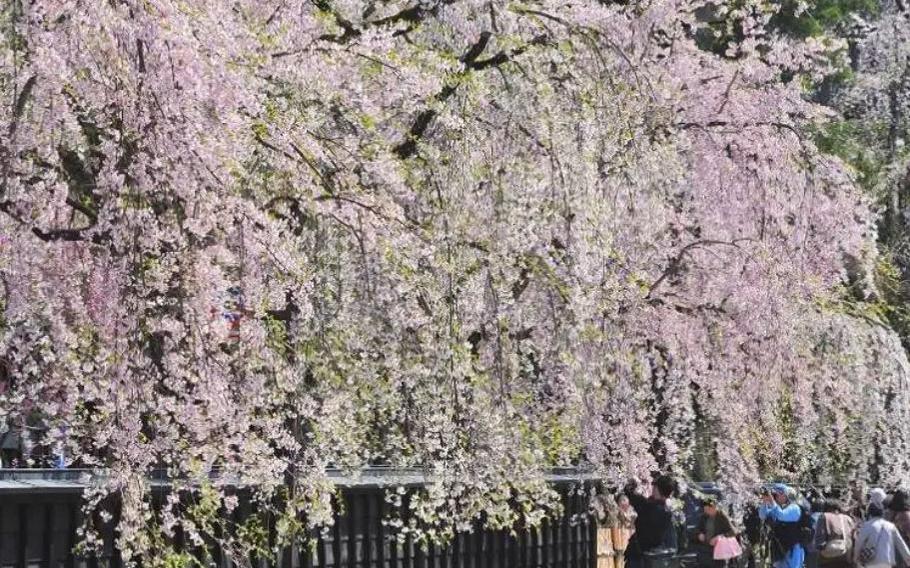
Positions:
{"x": 41, "y": 511}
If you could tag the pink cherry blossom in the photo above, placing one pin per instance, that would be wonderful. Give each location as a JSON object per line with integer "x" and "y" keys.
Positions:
{"x": 266, "y": 237}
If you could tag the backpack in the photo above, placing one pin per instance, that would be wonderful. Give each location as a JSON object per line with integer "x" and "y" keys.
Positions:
{"x": 835, "y": 547}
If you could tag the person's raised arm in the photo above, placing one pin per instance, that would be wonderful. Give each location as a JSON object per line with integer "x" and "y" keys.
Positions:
{"x": 769, "y": 510}
{"x": 636, "y": 499}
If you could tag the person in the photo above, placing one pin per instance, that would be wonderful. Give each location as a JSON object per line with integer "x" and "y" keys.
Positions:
{"x": 858, "y": 497}
{"x": 834, "y": 536}
{"x": 713, "y": 524}
{"x": 878, "y": 542}
{"x": 753, "y": 529}
{"x": 604, "y": 510}
{"x": 877, "y": 498}
{"x": 780, "y": 509}
{"x": 624, "y": 529}
{"x": 817, "y": 506}
{"x": 615, "y": 524}
{"x": 900, "y": 513}
{"x": 654, "y": 528}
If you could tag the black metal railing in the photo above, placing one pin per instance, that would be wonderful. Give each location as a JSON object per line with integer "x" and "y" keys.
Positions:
{"x": 40, "y": 511}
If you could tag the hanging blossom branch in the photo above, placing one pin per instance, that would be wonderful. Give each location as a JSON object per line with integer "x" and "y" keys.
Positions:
{"x": 306, "y": 260}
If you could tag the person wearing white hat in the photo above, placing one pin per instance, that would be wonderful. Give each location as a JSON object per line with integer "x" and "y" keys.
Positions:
{"x": 877, "y": 497}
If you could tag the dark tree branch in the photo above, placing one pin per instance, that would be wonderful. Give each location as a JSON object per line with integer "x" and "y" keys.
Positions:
{"x": 519, "y": 286}
{"x": 723, "y": 104}
{"x": 348, "y": 30}
{"x": 737, "y": 127}
{"x": 272, "y": 147}
{"x": 52, "y": 235}
{"x": 675, "y": 265}
{"x": 474, "y": 51}
{"x": 286, "y": 313}
{"x": 84, "y": 209}
{"x": 408, "y": 147}
{"x": 412, "y": 16}
{"x": 21, "y": 101}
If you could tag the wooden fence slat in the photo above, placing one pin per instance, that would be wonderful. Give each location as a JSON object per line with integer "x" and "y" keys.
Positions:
{"x": 49, "y": 526}
{"x": 351, "y": 511}
{"x": 22, "y": 536}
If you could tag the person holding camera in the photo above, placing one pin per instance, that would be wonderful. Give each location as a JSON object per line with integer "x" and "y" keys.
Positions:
{"x": 787, "y": 520}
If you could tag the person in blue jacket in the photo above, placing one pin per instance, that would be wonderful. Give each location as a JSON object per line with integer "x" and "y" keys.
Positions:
{"x": 780, "y": 509}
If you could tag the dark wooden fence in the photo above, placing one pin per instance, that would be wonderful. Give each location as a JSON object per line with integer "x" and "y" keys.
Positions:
{"x": 39, "y": 518}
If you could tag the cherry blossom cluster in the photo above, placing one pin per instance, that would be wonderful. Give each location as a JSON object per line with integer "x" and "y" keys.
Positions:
{"x": 245, "y": 241}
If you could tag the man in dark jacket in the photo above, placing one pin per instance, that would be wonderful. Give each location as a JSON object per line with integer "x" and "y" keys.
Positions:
{"x": 654, "y": 526}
